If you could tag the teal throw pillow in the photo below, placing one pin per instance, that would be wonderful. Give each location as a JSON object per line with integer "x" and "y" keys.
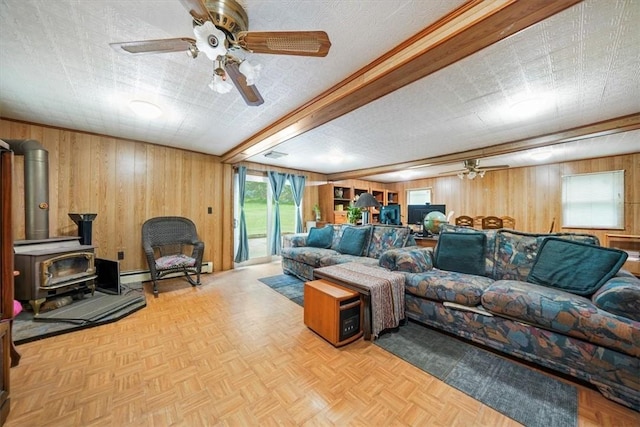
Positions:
{"x": 354, "y": 240}
{"x": 575, "y": 267}
{"x": 320, "y": 237}
{"x": 461, "y": 252}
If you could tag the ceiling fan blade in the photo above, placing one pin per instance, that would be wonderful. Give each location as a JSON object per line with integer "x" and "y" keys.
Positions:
{"x": 196, "y": 10}
{"x": 493, "y": 167}
{"x": 303, "y": 43}
{"x": 154, "y": 46}
{"x": 250, "y": 93}
{"x": 453, "y": 172}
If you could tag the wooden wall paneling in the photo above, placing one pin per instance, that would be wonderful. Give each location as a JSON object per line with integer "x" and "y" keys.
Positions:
{"x": 18, "y": 198}
{"x": 127, "y": 232}
{"x": 532, "y": 195}
{"x": 106, "y": 201}
{"x": 141, "y": 196}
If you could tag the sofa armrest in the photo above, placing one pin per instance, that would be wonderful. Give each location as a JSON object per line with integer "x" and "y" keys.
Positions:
{"x": 295, "y": 240}
{"x": 413, "y": 259}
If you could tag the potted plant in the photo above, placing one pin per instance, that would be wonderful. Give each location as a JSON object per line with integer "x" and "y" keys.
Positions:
{"x": 353, "y": 214}
{"x": 316, "y": 210}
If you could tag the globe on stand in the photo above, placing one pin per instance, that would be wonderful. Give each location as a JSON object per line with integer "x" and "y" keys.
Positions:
{"x": 433, "y": 221}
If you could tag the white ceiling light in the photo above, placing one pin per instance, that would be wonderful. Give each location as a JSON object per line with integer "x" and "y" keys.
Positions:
{"x": 530, "y": 107}
{"x": 541, "y": 154}
{"x": 145, "y": 109}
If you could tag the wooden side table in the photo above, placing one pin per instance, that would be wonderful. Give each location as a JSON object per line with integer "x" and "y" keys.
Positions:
{"x": 333, "y": 312}
{"x": 426, "y": 242}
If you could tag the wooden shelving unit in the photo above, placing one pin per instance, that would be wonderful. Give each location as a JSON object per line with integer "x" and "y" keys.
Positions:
{"x": 334, "y": 200}
{"x": 631, "y": 245}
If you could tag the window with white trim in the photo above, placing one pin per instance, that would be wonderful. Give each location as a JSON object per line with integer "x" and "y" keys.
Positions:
{"x": 593, "y": 200}
{"x": 419, "y": 196}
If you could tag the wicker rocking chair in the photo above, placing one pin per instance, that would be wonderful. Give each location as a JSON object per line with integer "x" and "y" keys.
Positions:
{"x": 171, "y": 245}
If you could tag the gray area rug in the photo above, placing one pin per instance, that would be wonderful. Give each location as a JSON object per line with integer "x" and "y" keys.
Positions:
{"x": 289, "y": 286}
{"x": 523, "y": 394}
{"x": 84, "y": 313}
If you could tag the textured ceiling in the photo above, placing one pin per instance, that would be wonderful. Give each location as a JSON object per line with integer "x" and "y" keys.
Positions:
{"x": 56, "y": 68}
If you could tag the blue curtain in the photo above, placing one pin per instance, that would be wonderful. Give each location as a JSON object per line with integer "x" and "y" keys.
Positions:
{"x": 277, "y": 181}
{"x": 243, "y": 240}
{"x": 297, "y": 189}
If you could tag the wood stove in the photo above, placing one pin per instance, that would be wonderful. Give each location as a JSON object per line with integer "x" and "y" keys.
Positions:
{"x": 52, "y": 266}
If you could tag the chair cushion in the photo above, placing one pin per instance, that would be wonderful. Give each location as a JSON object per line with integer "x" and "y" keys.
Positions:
{"x": 574, "y": 267}
{"x": 174, "y": 261}
{"x": 461, "y": 252}
{"x": 320, "y": 237}
{"x": 353, "y": 240}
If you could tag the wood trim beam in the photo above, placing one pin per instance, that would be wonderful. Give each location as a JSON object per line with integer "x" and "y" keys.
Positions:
{"x": 606, "y": 127}
{"x": 472, "y": 27}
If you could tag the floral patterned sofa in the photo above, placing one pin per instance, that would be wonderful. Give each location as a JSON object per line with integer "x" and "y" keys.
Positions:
{"x": 594, "y": 337}
{"x": 300, "y": 260}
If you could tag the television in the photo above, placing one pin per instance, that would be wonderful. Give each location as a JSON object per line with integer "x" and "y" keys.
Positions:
{"x": 416, "y": 213}
{"x": 390, "y": 215}
{"x": 108, "y": 272}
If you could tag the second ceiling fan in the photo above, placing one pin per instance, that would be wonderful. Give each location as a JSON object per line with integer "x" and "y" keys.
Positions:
{"x": 472, "y": 169}
{"x": 221, "y": 33}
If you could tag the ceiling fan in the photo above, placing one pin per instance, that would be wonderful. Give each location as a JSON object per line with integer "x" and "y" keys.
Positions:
{"x": 472, "y": 169}
{"x": 221, "y": 33}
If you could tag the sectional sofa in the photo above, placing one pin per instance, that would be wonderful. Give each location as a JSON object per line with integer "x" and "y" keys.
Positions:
{"x": 558, "y": 300}
{"x": 302, "y": 252}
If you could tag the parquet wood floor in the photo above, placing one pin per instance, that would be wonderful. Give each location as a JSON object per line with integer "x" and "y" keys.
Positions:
{"x": 234, "y": 352}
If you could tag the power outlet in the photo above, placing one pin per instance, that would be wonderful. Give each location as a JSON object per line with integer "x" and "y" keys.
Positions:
{"x": 121, "y": 255}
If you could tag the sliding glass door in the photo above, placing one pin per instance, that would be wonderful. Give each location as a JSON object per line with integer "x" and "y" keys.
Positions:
{"x": 259, "y": 210}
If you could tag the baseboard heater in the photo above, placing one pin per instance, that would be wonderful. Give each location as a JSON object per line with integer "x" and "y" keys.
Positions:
{"x": 144, "y": 275}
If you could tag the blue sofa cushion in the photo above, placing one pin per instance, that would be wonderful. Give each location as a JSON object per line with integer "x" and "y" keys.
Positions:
{"x": 560, "y": 311}
{"x": 320, "y": 237}
{"x": 461, "y": 252}
{"x": 574, "y": 267}
{"x": 620, "y": 296}
{"x": 354, "y": 240}
{"x": 307, "y": 255}
{"x": 441, "y": 285}
{"x": 414, "y": 260}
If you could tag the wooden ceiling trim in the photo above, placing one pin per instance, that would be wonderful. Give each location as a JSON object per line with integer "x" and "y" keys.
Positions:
{"x": 465, "y": 31}
{"x": 606, "y": 127}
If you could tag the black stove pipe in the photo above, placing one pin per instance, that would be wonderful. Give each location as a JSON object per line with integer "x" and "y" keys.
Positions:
{"x": 36, "y": 186}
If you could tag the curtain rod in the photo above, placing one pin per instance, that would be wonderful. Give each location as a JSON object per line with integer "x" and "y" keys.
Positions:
{"x": 259, "y": 172}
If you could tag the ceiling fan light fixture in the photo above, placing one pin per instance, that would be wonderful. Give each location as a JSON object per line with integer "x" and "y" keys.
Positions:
{"x": 210, "y": 40}
{"x": 219, "y": 84}
{"x": 193, "y": 51}
{"x": 250, "y": 71}
{"x": 145, "y": 109}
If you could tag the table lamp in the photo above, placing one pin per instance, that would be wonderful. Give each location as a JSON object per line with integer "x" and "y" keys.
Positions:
{"x": 364, "y": 202}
